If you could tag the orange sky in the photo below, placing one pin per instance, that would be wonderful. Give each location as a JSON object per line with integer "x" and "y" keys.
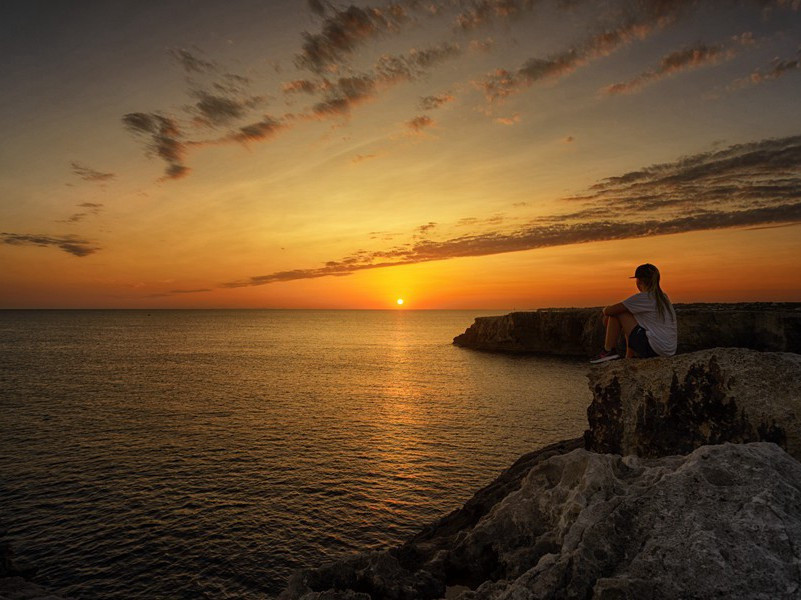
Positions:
{"x": 457, "y": 155}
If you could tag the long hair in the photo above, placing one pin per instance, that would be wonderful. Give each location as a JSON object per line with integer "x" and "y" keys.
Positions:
{"x": 650, "y": 280}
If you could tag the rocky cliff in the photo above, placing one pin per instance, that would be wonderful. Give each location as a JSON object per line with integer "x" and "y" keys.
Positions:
{"x": 663, "y": 406}
{"x": 774, "y": 327}
{"x": 721, "y": 522}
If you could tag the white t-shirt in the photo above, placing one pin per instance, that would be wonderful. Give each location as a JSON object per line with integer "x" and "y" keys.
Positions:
{"x": 662, "y": 335}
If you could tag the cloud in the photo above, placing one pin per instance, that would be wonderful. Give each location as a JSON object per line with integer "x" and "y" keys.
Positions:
{"x": 305, "y": 86}
{"x": 163, "y": 138}
{"x": 636, "y": 23}
{"x": 435, "y": 101}
{"x": 68, "y": 243}
{"x": 675, "y": 62}
{"x": 344, "y": 30}
{"x": 89, "y": 174}
{"x": 744, "y": 185}
{"x": 514, "y": 119}
{"x": 215, "y": 109}
{"x": 89, "y": 209}
{"x": 345, "y": 93}
{"x": 778, "y": 68}
{"x": 418, "y": 124}
{"x": 359, "y": 158}
{"x": 190, "y": 62}
{"x": 179, "y": 292}
{"x": 261, "y": 130}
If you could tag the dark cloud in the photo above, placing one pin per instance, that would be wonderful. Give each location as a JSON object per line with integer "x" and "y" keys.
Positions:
{"x": 418, "y": 124}
{"x": 432, "y": 102}
{"x": 89, "y": 174}
{"x": 627, "y": 23}
{"x": 503, "y": 83}
{"x": 190, "y": 62}
{"x": 259, "y": 131}
{"x": 345, "y": 93}
{"x": 305, "y": 86}
{"x": 163, "y": 139}
{"x": 68, "y": 243}
{"x": 216, "y": 109}
{"x": 740, "y": 176}
{"x": 744, "y": 185}
{"x": 681, "y": 60}
{"x": 344, "y": 30}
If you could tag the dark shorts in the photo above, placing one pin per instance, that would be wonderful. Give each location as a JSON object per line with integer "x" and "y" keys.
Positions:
{"x": 638, "y": 341}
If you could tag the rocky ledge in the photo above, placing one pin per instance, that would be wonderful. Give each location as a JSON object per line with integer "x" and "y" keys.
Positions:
{"x": 694, "y": 516}
{"x": 768, "y": 326}
{"x": 721, "y": 522}
{"x": 663, "y": 406}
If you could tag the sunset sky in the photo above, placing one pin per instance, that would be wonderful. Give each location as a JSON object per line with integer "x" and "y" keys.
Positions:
{"x": 455, "y": 153}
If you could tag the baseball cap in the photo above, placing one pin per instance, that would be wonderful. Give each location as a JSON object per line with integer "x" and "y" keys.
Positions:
{"x": 644, "y": 271}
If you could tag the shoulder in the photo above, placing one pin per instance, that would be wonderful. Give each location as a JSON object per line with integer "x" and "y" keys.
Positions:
{"x": 639, "y": 302}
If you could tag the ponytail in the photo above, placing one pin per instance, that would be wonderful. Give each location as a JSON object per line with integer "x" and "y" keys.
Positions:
{"x": 663, "y": 305}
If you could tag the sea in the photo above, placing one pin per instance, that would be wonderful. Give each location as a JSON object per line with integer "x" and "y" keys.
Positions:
{"x": 209, "y": 453}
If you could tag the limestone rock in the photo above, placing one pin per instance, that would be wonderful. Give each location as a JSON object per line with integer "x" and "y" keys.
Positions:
{"x": 663, "y": 406}
{"x": 723, "y": 522}
{"x": 769, "y": 326}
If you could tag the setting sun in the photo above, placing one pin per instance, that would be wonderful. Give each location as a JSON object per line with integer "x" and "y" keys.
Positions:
{"x": 400, "y": 301}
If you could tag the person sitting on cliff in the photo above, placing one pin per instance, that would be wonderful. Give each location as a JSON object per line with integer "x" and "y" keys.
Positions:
{"x": 647, "y": 319}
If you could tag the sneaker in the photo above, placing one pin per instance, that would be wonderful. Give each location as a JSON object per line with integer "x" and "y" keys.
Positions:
{"x": 604, "y": 356}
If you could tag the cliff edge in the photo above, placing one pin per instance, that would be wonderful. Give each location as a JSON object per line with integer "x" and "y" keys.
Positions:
{"x": 767, "y": 326}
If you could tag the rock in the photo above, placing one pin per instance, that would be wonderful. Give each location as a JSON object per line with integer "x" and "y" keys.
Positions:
{"x": 663, "y": 406}
{"x": 410, "y": 570}
{"x": 723, "y": 522}
{"x": 769, "y": 326}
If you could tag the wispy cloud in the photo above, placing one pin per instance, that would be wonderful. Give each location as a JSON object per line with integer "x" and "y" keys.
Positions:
{"x": 779, "y": 67}
{"x": 88, "y": 209}
{"x": 435, "y": 101}
{"x": 163, "y": 138}
{"x": 419, "y": 124}
{"x": 744, "y": 185}
{"x": 682, "y": 60}
{"x": 89, "y": 174}
{"x": 68, "y": 243}
{"x": 343, "y": 31}
{"x": 190, "y": 62}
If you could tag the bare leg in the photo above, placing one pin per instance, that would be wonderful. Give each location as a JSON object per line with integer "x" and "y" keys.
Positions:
{"x": 614, "y": 325}
{"x": 612, "y": 332}
{"x": 628, "y": 323}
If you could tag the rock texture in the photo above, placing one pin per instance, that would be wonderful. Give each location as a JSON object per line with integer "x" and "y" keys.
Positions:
{"x": 663, "y": 406}
{"x": 774, "y": 327}
{"x": 724, "y": 521}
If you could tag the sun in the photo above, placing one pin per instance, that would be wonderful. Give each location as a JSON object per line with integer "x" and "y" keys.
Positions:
{"x": 400, "y": 301}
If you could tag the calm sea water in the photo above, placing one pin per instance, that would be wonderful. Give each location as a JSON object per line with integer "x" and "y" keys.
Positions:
{"x": 207, "y": 454}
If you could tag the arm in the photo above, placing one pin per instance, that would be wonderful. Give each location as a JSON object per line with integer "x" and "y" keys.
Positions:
{"x": 615, "y": 309}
